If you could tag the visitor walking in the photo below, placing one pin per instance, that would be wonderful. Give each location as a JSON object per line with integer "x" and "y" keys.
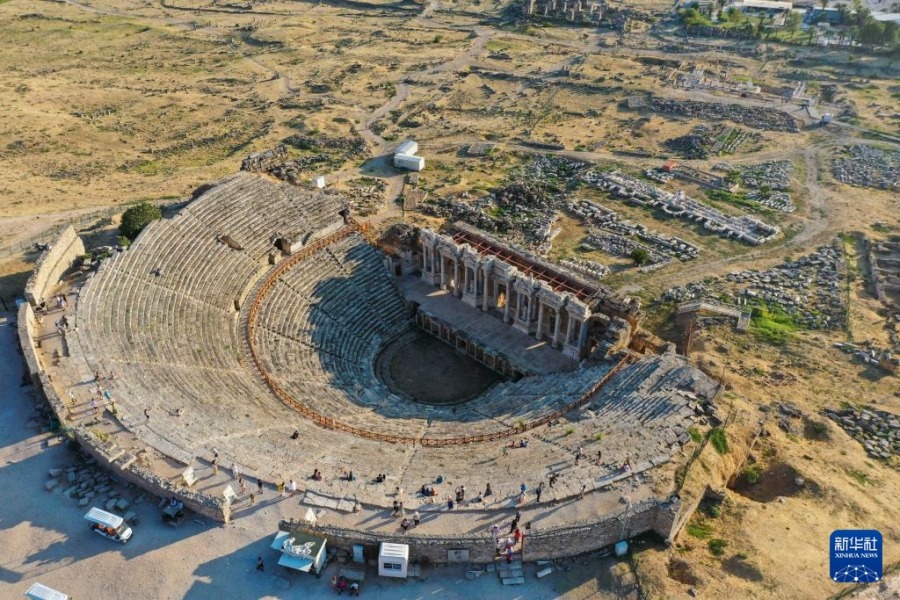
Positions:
{"x": 495, "y": 532}
{"x": 292, "y": 486}
{"x": 243, "y": 485}
{"x": 260, "y": 566}
{"x": 252, "y": 498}
{"x": 404, "y": 524}
{"x": 416, "y": 518}
{"x": 259, "y": 485}
{"x": 235, "y": 471}
{"x": 280, "y": 489}
{"x": 146, "y": 412}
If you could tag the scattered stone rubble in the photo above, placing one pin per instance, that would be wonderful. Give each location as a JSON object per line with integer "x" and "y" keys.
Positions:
{"x": 877, "y": 430}
{"x": 808, "y": 289}
{"x": 265, "y": 160}
{"x": 867, "y": 353}
{"x": 331, "y": 153}
{"x": 90, "y": 485}
{"x": 769, "y": 182}
{"x": 867, "y": 166}
{"x": 743, "y": 228}
{"x": 524, "y": 211}
{"x": 617, "y": 237}
{"x": 884, "y": 263}
{"x": 366, "y": 195}
{"x": 586, "y": 267}
{"x": 767, "y": 119}
{"x": 705, "y": 140}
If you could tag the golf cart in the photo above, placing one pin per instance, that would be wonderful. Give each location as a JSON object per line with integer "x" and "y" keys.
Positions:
{"x": 172, "y": 511}
{"x": 109, "y": 525}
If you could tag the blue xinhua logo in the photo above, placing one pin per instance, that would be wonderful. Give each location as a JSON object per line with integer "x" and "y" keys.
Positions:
{"x": 856, "y": 555}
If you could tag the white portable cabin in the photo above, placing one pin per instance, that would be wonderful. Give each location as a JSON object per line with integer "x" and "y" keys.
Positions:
{"x": 39, "y": 591}
{"x": 407, "y": 147}
{"x": 393, "y": 560}
{"x": 408, "y": 161}
{"x": 300, "y": 551}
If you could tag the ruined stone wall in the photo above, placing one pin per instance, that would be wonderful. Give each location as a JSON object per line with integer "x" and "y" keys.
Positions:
{"x": 121, "y": 464}
{"x": 52, "y": 263}
{"x": 645, "y": 517}
{"x": 649, "y": 516}
{"x": 25, "y": 326}
{"x": 434, "y": 550}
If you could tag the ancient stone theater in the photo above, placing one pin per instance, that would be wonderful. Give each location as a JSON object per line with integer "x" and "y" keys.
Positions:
{"x": 260, "y": 331}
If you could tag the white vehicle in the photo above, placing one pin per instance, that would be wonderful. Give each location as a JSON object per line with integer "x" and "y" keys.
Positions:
{"x": 109, "y": 525}
{"x": 39, "y": 591}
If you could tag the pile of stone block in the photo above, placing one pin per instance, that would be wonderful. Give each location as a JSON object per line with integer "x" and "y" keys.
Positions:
{"x": 877, "y": 430}
{"x": 867, "y": 166}
{"x": 620, "y": 237}
{"x": 636, "y": 191}
{"x": 586, "y": 267}
{"x": 809, "y": 289}
{"x": 90, "y": 485}
{"x": 768, "y": 119}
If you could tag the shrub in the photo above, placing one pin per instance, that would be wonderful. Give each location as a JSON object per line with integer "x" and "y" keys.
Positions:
{"x": 699, "y": 530}
{"x": 695, "y": 434}
{"x": 639, "y": 256}
{"x": 137, "y": 217}
{"x": 719, "y": 440}
{"x": 570, "y": 431}
{"x": 752, "y": 474}
{"x": 717, "y": 546}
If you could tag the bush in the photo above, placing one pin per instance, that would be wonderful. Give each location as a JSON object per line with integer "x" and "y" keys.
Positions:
{"x": 717, "y": 546}
{"x": 752, "y": 474}
{"x": 695, "y": 434}
{"x": 639, "y": 256}
{"x": 719, "y": 440}
{"x": 137, "y": 217}
{"x": 123, "y": 241}
{"x": 699, "y": 530}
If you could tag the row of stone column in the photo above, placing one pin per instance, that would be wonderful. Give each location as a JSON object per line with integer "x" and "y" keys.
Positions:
{"x": 486, "y": 282}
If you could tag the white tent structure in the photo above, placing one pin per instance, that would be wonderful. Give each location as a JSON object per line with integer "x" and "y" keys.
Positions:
{"x": 300, "y": 551}
{"x": 393, "y": 560}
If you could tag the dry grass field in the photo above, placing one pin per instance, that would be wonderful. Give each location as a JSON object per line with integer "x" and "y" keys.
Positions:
{"x": 108, "y": 102}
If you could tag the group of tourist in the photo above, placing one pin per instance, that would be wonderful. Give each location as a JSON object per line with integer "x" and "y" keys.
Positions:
{"x": 339, "y": 584}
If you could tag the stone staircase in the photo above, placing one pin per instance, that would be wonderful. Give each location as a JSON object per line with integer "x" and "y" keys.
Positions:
{"x": 512, "y": 573}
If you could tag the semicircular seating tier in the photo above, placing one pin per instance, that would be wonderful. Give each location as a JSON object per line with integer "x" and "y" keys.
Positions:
{"x": 175, "y": 340}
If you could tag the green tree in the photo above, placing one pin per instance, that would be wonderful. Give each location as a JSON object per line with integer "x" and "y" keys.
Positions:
{"x": 639, "y": 256}
{"x": 137, "y": 217}
{"x": 792, "y": 22}
{"x": 871, "y": 34}
{"x": 891, "y": 32}
{"x": 843, "y": 14}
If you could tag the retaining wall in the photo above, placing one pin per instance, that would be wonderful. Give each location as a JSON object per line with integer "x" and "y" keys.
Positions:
{"x": 48, "y": 270}
{"x": 645, "y": 517}
{"x": 122, "y": 465}
{"x": 52, "y": 264}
